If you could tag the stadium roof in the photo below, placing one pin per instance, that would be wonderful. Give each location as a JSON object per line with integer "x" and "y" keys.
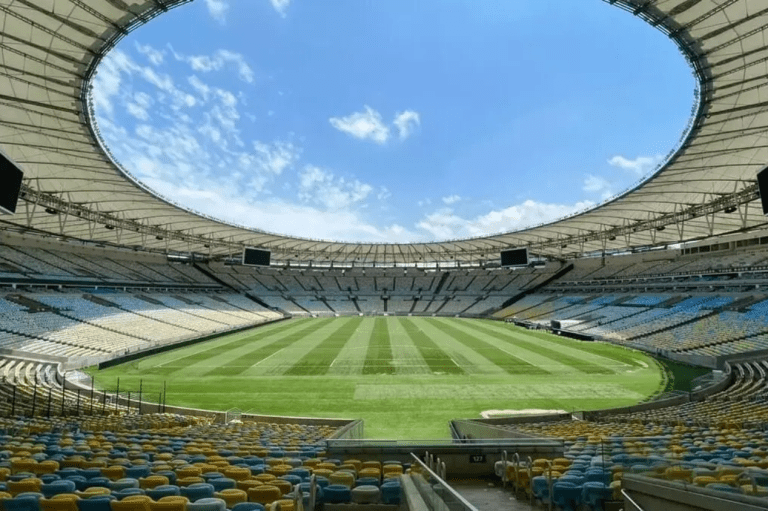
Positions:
{"x": 50, "y": 50}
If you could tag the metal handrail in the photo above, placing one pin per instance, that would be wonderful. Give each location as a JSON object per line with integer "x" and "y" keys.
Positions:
{"x": 631, "y": 501}
{"x": 443, "y": 483}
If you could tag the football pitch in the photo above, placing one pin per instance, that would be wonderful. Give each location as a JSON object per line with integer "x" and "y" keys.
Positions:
{"x": 405, "y": 376}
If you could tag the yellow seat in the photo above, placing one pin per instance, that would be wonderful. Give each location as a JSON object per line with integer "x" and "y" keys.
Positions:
{"x": 264, "y": 494}
{"x": 616, "y": 487}
{"x": 265, "y": 478}
{"x": 342, "y": 477}
{"x": 75, "y": 461}
{"x": 704, "y": 480}
{"x": 357, "y": 464}
{"x": 755, "y": 491}
{"x": 66, "y": 496}
{"x": 392, "y": 469}
{"x": 248, "y": 483}
{"x": 232, "y": 496}
{"x": 129, "y": 505}
{"x": 188, "y": 471}
{"x": 46, "y": 467}
{"x": 23, "y": 465}
{"x": 152, "y": 481}
{"x": 186, "y": 481}
{"x": 170, "y": 503}
{"x": 279, "y": 470}
{"x": 237, "y": 473}
{"x": 370, "y": 472}
{"x": 94, "y": 491}
{"x": 285, "y": 504}
{"x": 322, "y": 472}
{"x": 29, "y": 484}
{"x": 284, "y": 486}
{"x": 138, "y": 498}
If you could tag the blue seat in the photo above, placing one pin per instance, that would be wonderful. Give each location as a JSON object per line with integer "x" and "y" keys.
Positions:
{"x": 207, "y": 504}
{"x": 122, "y": 484}
{"x": 80, "y": 481}
{"x": 222, "y": 483}
{"x": 594, "y": 493}
{"x": 89, "y": 473}
{"x": 540, "y": 489}
{"x": 21, "y": 503}
{"x": 367, "y": 481}
{"x": 391, "y": 492}
{"x": 212, "y": 475}
{"x": 248, "y": 506}
{"x": 97, "y": 481}
{"x": 302, "y": 473}
{"x": 598, "y": 476}
{"x": 566, "y": 495}
{"x": 577, "y": 480}
{"x": 127, "y": 492}
{"x": 337, "y": 494}
{"x": 293, "y": 479}
{"x": 56, "y": 487}
{"x": 164, "y": 490}
{"x": 197, "y": 491}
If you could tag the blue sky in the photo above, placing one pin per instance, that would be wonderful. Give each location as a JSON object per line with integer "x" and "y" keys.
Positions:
{"x": 392, "y": 121}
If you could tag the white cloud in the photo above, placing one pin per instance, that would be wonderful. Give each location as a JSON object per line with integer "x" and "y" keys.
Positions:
{"x": 217, "y": 61}
{"x": 201, "y": 88}
{"x": 365, "y": 125}
{"x": 269, "y": 162}
{"x": 155, "y": 56}
{"x": 406, "y": 122}
{"x": 334, "y": 193}
{"x": 451, "y": 199}
{"x": 598, "y": 185}
{"x": 445, "y": 224}
{"x": 108, "y": 80}
{"x": 139, "y": 106}
{"x": 218, "y": 9}
{"x": 229, "y": 204}
{"x": 640, "y": 165}
{"x": 281, "y": 6}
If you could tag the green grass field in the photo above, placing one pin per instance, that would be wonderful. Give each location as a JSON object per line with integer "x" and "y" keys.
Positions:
{"x": 406, "y": 376}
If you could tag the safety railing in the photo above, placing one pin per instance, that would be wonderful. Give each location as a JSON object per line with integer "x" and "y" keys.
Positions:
{"x": 429, "y": 478}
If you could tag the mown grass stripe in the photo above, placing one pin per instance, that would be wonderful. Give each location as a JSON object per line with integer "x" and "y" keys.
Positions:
{"x": 624, "y": 356}
{"x": 508, "y": 362}
{"x": 219, "y": 347}
{"x": 319, "y": 359}
{"x": 378, "y": 358}
{"x": 580, "y": 365}
{"x": 437, "y": 360}
{"x": 245, "y": 361}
